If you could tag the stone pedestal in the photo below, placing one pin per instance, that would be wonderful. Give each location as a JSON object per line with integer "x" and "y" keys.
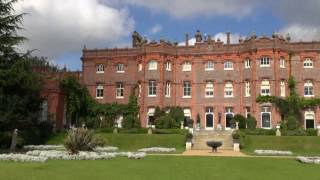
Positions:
{"x": 219, "y": 127}
{"x": 237, "y": 125}
{"x": 278, "y": 132}
{"x": 236, "y": 147}
{"x": 149, "y": 130}
{"x": 115, "y": 130}
{"x": 318, "y": 128}
{"x": 181, "y": 125}
{"x": 14, "y": 140}
{"x": 188, "y": 145}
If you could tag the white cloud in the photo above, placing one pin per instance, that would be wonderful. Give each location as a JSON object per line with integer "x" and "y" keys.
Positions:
{"x": 55, "y": 27}
{"x": 156, "y": 29}
{"x": 192, "y": 8}
{"x": 234, "y": 38}
{"x": 302, "y": 32}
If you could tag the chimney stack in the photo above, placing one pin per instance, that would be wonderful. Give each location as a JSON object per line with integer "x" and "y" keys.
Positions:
{"x": 228, "y": 37}
{"x": 187, "y": 39}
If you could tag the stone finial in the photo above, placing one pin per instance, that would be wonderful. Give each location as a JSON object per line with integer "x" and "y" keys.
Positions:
{"x": 187, "y": 39}
{"x": 253, "y": 35}
{"x": 198, "y": 36}
{"x": 240, "y": 39}
{"x": 228, "y": 37}
{"x": 288, "y": 37}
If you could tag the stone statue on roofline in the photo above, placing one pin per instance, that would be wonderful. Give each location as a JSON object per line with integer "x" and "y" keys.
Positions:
{"x": 138, "y": 40}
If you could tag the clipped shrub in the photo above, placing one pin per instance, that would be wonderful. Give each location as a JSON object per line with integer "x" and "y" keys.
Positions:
{"x": 292, "y": 123}
{"x": 158, "y": 113}
{"x": 177, "y": 114}
{"x": 312, "y": 132}
{"x": 166, "y": 122}
{"x": 242, "y": 121}
{"x": 130, "y": 121}
{"x": 171, "y": 131}
{"x": 251, "y": 122}
{"x": 188, "y": 137}
{"x": 260, "y": 131}
{"x": 296, "y": 132}
{"x": 82, "y": 140}
{"x": 236, "y": 135}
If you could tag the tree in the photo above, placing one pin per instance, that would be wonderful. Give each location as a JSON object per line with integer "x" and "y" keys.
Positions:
{"x": 132, "y": 112}
{"x": 292, "y": 105}
{"x": 20, "y": 87}
{"x": 177, "y": 114}
{"x": 241, "y": 119}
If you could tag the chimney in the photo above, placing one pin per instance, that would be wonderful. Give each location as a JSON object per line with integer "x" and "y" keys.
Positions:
{"x": 228, "y": 37}
{"x": 187, "y": 40}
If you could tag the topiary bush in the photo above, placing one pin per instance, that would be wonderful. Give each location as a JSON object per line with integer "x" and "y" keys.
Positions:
{"x": 82, "y": 140}
{"x": 292, "y": 123}
{"x": 130, "y": 121}
{"x": 177, "y": 114}
{"x": 242, "y": 121}
{"x": 166, "y": 122}
{"x": 251, "y": 123}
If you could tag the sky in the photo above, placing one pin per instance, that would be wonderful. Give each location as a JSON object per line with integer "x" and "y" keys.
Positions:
{"x": 59, "y": 29}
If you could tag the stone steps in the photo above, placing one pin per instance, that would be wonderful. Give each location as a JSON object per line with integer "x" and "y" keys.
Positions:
{"x": 200, "y": 139}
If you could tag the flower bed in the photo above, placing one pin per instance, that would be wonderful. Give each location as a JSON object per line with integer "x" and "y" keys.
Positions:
{"x": 44, "y": 147}
{"x": 273, "y": 152}
{"x": 84, "y": 155}
{"x": 157, "y": 150}
{"x": 309, "y": 160}
{"x": 62, "y": 148}
{"x": 22, "y": 158}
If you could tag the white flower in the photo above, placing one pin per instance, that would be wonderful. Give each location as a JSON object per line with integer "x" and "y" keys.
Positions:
{"x": 44, "y": 147}
{"x": 157, "y": 149}
{"x": 309, "y": 160}
{"x": 273, "y": 152}
{"x": 21, "y": 158}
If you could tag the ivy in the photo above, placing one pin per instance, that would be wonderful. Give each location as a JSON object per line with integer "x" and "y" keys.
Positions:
{"x": 292, "y": 105}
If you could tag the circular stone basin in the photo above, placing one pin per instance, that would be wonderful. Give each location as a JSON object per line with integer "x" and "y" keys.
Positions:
{"x": 214, "y": 145}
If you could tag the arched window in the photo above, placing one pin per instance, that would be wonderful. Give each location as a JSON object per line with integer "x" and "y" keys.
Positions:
{"x": 308, "y": 63}
{"x": 228, "y": 65}
{"x": 186, "y": 66}
{"x": 282, "y": 88}
{"x": 282, "y": 62}
{"x": 153, "y": 65}
{"x": 167, "y": 92}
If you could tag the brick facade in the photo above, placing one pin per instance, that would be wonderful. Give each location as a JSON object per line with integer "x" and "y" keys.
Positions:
{"x": 252, "y": 48}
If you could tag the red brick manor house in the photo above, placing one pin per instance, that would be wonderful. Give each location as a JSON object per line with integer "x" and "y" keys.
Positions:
{"x": 213, "y": 79}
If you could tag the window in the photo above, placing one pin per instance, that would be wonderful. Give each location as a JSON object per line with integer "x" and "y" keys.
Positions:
{"x": 139, "y": 89}
{"x": 186, "y": 89}
{"x": 168, "y": 66}
{"x": 151, "y": 118}
{"x": 309, "y": 119}
{"x": 265, "y": 88}
{"x": 119, "y": 90}
{"x": 99, "y": 92}
{"x": 247, "y": 89}
{"x": 265, "y": 62}
{"x": 186, "y": 66}
{"x": 308, "y": 89}
{"x": 100, "y": 68}
{"x": 265, "y": 117}
{"x": 282, "y": 88}
{"x": 308, "y": 63}
{"x": 152, "y": 65}
{"x": 228, "y": 65}
{"x": 282, "y": 63}
{"x": 167, "y": 92}
{"x": 209, "y": 89}
{"x": 247, "y": 63}
{"x": 152, "y": 88}
{"x": 209, "y": 66}
{"x": 248, "y": 110}
{"x": 187, "y": 116}
{"x": 228, "y": 89}
{"x": 120, "y": 68}
{"x": 139, "y": 67}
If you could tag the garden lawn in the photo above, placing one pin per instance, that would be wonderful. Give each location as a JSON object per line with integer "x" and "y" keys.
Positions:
{"x": 299, "y": 145}
{"x": 163, "y": 168}
{"x": 133, "y": 142}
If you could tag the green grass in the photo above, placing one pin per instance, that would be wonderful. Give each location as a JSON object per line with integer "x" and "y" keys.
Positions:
{"x": 163, "y": 168}
{"x": 132, "y": 142}
{"x": 299, "y": 145}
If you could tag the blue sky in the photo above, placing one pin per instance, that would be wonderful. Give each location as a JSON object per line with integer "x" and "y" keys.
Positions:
{"x": 60, "y": 32}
